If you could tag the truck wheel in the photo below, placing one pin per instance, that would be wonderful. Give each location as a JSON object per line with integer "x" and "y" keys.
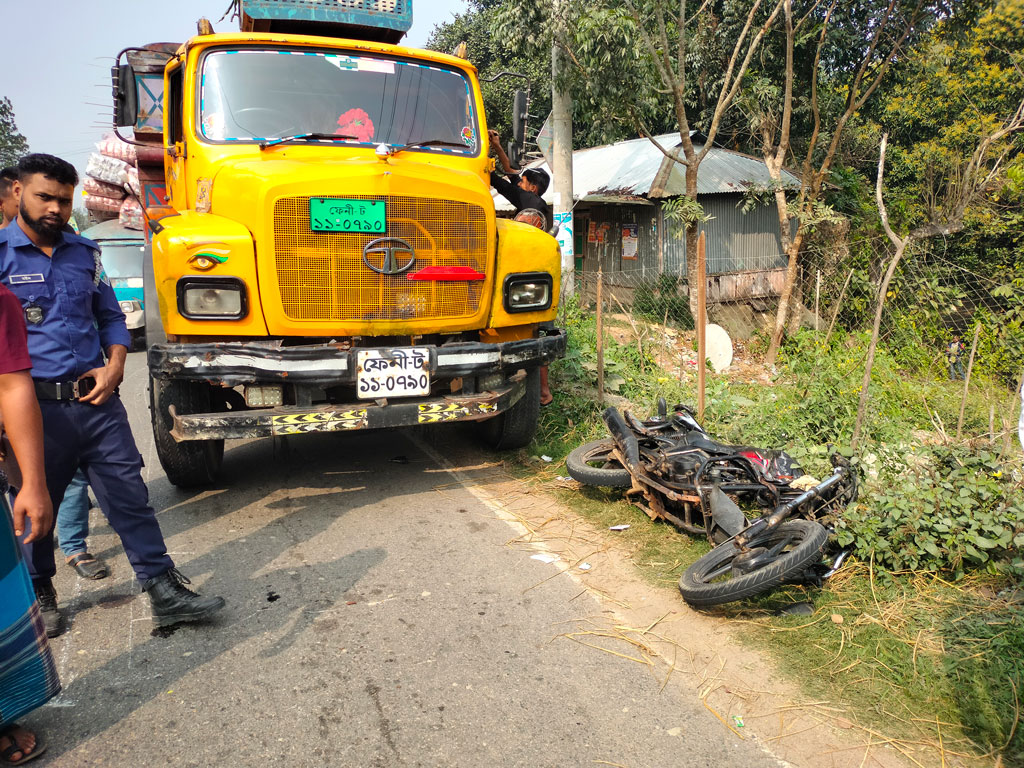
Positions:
{"x": 190, "y": 463}
{"x": 515, "y": 427}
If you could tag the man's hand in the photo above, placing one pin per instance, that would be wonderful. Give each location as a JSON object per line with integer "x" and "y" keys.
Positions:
{"x": 494, "y": 138}
{"x": 108, "y": 378}
{"x": 35, "y": 504}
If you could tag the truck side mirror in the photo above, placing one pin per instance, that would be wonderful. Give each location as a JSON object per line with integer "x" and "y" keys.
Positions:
{"x": 514, "y": 154}
{"x": 126, "y": 95}
{"x": 519, "y": 115}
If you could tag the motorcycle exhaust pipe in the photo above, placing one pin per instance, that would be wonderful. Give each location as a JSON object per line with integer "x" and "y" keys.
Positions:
{"x": 624, "y": 438}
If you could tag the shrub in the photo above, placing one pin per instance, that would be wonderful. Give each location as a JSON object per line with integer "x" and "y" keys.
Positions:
{"x": 951, "y": 509}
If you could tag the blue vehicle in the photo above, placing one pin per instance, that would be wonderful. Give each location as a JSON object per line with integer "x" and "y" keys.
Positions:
{"x": 122, "y": 253}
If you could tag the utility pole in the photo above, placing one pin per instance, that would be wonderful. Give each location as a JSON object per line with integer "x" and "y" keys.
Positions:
{"x": 561, "y": 150}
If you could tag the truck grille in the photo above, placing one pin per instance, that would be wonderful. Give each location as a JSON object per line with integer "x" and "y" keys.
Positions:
{"x": 321, "y": 275}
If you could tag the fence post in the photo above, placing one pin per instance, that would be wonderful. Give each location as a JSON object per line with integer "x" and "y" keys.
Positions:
{"x": 600, "y": 339}
{"x": 701, "y": 323}
{"x": 967, "y": 381}
{"x": 817, "y": 298}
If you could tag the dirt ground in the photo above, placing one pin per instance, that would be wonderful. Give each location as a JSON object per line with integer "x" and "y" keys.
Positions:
{"x": 654, "y": 627}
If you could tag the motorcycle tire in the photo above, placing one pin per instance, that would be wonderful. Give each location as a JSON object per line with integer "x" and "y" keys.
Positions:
{"x": 786, "y": 552}
{"x": 591, "y": 464}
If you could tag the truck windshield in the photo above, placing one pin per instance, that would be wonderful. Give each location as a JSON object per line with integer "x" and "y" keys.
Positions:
{"x": 249, "y": 95}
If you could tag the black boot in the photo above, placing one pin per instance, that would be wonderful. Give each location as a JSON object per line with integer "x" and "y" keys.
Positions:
{"x": 174, "y": 603}
{"x": 47, "y": 597}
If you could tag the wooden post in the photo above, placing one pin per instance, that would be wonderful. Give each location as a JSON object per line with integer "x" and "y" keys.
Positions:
{"x": 600, "y": 339}
{"x": 701, "y": 323}
{"x": 967, "y": 381}
{"x": 817, "y": 298}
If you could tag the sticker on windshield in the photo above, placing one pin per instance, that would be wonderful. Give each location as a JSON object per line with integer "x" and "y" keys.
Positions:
{"x": 377, "y": 65}
{"x": 468, "y": 137}
{"x": 342, "y": 62}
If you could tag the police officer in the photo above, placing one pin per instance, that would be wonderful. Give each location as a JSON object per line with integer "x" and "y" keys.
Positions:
{"x": 73, "y": 318}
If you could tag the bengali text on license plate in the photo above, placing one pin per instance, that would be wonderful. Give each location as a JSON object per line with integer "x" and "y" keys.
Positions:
{"x": 398, "y": 373}
{"x": 335, "y": 214}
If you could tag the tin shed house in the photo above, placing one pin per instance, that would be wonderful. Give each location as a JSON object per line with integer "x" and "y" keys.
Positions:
{"x": 620, "y": 191}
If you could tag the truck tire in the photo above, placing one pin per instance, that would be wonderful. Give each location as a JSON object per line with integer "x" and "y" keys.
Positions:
{"x": 785, "y": 552}
{"x": 190, "y": 463}
{"x": 591, "y": 464}
{"x": 515, "y": 427}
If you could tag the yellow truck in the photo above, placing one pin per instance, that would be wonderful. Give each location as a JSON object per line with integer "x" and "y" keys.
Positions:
{"x": 325, "y": 250}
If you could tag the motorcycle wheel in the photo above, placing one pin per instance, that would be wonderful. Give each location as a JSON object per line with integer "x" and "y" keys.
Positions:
{"x": 725, "y": 574}
{"x": 592, "y": 464}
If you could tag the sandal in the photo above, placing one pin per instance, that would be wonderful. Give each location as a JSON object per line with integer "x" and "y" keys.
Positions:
{"x": 545, "y": 403}
{"x": 88, "y": 567}
{"x": 7, "y": 753}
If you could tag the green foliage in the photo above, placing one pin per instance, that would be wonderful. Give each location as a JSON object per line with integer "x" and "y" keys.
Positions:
{"x": 947, "y": 510}
{"x": 13, "y": 146}
{"x": 663, "y": 299}
{"x": 492, "y": 54}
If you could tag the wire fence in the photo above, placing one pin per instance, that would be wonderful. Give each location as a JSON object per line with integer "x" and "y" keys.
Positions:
{"x": 942, "y": 321}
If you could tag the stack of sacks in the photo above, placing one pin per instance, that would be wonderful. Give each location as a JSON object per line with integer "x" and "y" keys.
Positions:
{"x": 110, "y": 172}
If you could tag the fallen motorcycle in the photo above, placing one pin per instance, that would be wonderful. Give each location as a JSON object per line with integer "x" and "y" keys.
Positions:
{"x": 770, "y": 521}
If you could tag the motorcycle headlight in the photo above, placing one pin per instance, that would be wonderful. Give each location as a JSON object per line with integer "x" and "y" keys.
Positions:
{"x": 212, "y": 298}
{"x": 528, "y": 292}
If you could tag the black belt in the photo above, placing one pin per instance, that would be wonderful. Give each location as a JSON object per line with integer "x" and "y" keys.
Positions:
{"x": 58, "y": 390}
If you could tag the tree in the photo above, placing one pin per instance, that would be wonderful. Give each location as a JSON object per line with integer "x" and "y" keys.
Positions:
{"x": 491, "y": 55}
{"x": 648, "y": 58}
{"x": 13, "y": 146}
{"x": 851, "y": 58}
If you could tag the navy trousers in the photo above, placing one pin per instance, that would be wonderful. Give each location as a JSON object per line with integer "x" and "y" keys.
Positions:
{"x": 99, "y": 440}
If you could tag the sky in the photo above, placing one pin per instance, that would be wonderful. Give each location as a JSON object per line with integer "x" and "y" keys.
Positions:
{"x": 56, "y": 57}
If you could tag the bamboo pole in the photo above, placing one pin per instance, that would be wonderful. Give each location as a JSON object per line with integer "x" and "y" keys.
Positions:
{"x": 967, "y": 381}
{"x": 600, "y": 339}
{"x": 701, "y": 323}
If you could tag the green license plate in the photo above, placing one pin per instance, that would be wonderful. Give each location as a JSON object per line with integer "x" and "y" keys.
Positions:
{"x": 338, "y": 214}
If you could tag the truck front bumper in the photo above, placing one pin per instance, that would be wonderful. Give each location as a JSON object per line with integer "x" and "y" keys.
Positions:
{"x": 328, "y": 365}
{"x": 232, "y": 363}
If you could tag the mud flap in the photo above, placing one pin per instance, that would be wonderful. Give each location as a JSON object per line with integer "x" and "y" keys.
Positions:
{"x": 726, "y": 514}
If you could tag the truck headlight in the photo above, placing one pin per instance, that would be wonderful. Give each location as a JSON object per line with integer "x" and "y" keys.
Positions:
{"x": 212, "y": 298}
{"x": 129, "y": 306}
{"x": 528, "y": 292}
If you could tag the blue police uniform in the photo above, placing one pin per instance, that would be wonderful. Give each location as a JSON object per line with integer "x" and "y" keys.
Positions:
{"x": 72, "y": 315}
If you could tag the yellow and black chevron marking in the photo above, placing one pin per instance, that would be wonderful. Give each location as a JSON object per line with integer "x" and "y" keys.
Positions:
{"x": 325, "y": 421}
{"x": 443, "y": 408}
{"x": 433, "y": 413}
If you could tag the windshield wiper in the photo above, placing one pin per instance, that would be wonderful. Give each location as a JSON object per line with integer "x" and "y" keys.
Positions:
{"x": 304, "y": 137}
{"x": 428, "y": 143}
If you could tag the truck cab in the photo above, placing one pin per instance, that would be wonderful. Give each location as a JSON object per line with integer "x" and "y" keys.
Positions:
{"x": 327, "y": 256}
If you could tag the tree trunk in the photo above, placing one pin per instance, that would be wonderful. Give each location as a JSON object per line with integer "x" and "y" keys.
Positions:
{"x": 692, "y": 234}
{"x": 785, "y": 300}
{"x": 883, "y": 290}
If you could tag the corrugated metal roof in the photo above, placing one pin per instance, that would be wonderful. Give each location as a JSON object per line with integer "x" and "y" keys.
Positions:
{"x": 625, "y": 172}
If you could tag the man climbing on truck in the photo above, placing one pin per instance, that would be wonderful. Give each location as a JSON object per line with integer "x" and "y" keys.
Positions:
{"x": 525, "y": 196}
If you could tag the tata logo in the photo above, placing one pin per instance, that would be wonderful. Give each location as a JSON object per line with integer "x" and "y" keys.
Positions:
{"x": 389, "y": 255}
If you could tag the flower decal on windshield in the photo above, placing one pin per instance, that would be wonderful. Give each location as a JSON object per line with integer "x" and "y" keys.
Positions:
{"x": 356, "y": 123}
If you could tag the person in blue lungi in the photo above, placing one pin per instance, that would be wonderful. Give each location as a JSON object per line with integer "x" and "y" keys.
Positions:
{"x": 28, "y": 677}
{"x": 73, "y": 319}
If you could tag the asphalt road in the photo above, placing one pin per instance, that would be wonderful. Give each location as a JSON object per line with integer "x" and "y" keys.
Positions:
{"x": 376, "y": 617}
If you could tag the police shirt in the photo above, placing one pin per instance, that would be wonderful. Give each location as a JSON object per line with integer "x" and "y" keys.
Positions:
{"x": 70, "y": 309}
